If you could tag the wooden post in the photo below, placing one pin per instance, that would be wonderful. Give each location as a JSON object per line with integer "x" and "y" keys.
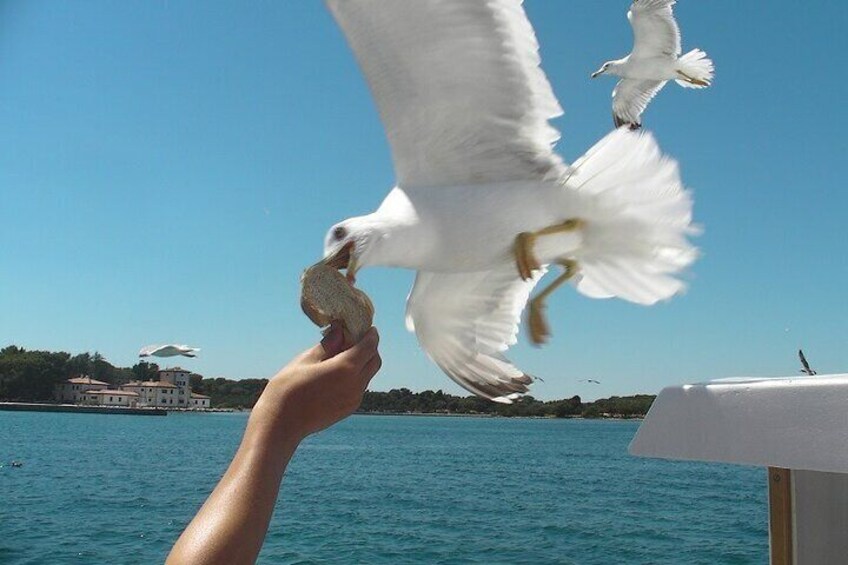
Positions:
{"x": 780, "y": 515}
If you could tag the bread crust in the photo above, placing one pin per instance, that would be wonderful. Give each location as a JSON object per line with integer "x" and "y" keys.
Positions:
{"x": 327, "y": 297}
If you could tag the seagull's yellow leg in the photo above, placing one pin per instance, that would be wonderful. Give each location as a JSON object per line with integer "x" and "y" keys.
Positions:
{"x": 536, "y": 323}
{"x": 525, "y": 259}
{"x": 691, "y": 80}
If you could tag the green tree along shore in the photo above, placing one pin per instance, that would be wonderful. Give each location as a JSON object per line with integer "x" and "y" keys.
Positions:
{"x": 30, "y": 376}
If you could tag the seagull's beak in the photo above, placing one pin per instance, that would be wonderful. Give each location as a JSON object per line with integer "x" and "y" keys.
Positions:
{"x": 597, "y": 73}
{"x": 340, "y": 258}
{"x": 352, "y": 267}
{"x": 343, "y": 258}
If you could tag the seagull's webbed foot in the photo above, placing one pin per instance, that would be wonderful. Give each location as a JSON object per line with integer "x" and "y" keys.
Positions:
{"x": 693, "y": 80}
{"x": 536, "y": 323}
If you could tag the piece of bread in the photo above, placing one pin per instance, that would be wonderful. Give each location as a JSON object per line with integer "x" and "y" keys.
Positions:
{"x": 327, "y": 296}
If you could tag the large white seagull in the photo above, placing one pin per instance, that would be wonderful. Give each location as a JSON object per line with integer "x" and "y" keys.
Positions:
{"x": 482, "y": 203}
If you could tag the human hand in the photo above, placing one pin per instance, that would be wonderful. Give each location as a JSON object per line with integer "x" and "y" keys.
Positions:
{"x": 322, "y": 385}
{"x": 317, "y": 389}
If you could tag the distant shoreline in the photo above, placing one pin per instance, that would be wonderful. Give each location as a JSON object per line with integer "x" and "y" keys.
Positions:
{"x": 80, "y": 409}
{"x": 438, "y": 414}
{"x": 151, "y": 411}
{"x": 462, "y": 415}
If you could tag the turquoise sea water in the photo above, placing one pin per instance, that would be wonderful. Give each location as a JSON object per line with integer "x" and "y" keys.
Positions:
{"x": 374, "y": 489}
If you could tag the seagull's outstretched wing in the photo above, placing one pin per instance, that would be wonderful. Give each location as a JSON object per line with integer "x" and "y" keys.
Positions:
{"x": 806, "y": 366}
{"x": 169, "y": 350}
{"x": 149, "y": 350}
{"x": 465, "y": 321}
{"x": 655, "y": 31}
{"x": 631, "y": 97}
{"x": 458, "y": 87}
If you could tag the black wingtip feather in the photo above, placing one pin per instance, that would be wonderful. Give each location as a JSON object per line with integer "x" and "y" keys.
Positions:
{"x": 621, "y": 122}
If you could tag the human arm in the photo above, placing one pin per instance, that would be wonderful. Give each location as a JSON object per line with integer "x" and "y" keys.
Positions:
{"x": 317, "y": 389}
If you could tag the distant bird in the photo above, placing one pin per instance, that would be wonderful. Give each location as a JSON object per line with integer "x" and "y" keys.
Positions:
{"x": 171, "y": 350}
{"x": 654, "y": 61}
{"x": 805, "y": 366}
{"x": 17, "y": 464}
{"x": 482, "y": 203}
{"x": 590, "y": 381}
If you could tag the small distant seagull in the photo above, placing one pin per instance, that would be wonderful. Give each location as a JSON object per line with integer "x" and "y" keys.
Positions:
{"x": 590, "y": 381}
{"x": 171, "y": 350}
{"x": 806, "y": 366}
{"x": 654, "y": 61}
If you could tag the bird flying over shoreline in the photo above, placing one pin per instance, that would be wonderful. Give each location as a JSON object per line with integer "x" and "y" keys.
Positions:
{"x": 482, "y": 204}
{"x": 171, "y": 350}
{"x": 654, "y": 61}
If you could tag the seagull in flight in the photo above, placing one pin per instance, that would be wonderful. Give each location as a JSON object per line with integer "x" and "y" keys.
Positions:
{"x": 170, "y": 350}
{"x": 655, "y": 60}
{"x": 482, "y": 204}
{"x": 593, "y": 381}
{"x": 805, "y": 366}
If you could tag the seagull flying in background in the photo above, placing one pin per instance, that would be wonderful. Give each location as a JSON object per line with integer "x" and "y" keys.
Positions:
{"x": 593, "y": 381}
{"x": 482, "y": 204}
{"x": 805, "y": 366}
{"x": 170, "y": 350}
{"x": 654, "y": 61}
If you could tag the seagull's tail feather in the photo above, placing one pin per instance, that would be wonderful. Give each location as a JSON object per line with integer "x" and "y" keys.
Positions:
{"x": 696, "y": 66}
{"x": 635, "y": 237}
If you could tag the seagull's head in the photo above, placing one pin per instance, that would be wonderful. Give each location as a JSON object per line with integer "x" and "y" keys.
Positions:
{"x": 604, "y": 68}
{"x": 347, "y": 244}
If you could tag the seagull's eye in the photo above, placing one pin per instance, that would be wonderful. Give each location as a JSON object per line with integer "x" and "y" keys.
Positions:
{"x": 339, "y": 233}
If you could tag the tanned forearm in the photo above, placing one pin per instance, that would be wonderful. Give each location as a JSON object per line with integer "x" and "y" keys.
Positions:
{"x": 322, "y": 386}
{"x": 231, "y": 525}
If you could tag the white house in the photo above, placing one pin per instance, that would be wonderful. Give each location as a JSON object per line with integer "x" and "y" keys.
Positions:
{"x": 74, "y": 388}
{"x": 181, "y": 379}
{"x": 172, "y": 390}
{"x": 199, "y": 401}
{"x": 110, "y": 397}
{"x": 154, "y": 393}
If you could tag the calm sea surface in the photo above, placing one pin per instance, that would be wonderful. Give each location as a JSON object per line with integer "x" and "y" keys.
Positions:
{"x": 374, "y": 489}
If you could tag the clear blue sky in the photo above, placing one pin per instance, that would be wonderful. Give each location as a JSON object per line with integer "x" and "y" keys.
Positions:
{"x": 168, "y": 168}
